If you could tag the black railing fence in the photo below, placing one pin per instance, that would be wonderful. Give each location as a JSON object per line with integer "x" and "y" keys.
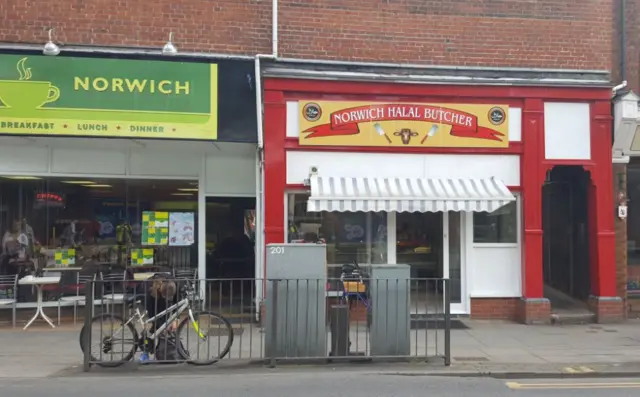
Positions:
{"x": 287, "y": 320}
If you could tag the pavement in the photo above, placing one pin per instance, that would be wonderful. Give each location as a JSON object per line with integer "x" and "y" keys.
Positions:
{"x": 487, "y": 349}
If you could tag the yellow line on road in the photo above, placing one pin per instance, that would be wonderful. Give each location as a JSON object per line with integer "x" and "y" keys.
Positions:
{"x": 585, "y": 385}
{"x": 577, "y": 369}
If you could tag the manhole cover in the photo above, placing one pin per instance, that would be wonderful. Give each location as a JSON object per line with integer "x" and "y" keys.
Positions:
{"x": 471, "y": 359}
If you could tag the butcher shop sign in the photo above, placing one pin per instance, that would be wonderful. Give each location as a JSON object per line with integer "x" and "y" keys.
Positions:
{"x": 327, "y": 123}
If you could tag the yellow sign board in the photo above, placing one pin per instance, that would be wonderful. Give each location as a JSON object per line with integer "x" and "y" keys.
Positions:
{"x": 330, "y": 123}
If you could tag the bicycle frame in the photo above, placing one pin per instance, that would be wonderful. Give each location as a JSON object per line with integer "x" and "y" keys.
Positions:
{"x": 177, "y": 309}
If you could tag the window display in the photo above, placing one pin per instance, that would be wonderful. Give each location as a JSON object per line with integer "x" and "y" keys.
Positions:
{"x": 349, "y": 236}
{"x": 500, "y": 226}
{"x": 64, "y": 222}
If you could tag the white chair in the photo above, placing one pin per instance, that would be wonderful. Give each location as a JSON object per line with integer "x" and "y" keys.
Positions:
{"x": 77, "y": 299}
{"x": 115, "y": 284}
{"x": 10, "y": 283}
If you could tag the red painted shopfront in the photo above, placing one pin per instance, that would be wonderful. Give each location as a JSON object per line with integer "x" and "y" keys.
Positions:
{"x": 535, "y": 156}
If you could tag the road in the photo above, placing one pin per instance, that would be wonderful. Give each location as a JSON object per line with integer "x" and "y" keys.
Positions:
{"x": 312, "y": 383}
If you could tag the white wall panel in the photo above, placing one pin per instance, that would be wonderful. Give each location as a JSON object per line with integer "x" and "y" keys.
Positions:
{"x": 152, "y": 163}
{"x": 495, "y": 272}
{"x": 23, "y": 159}
{"x": 388, "y": 165}
{"x": 567, "y": 131}
{"x": 87, "y": 161}
{"x": 230, "y": 176}
{"x": 293, "y": 119}
{"x": 515, "y": 124}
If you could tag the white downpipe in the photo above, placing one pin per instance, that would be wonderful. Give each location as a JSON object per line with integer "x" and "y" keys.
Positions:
{"x": 202, "y": 228}
{"x": 259, "y": 234}
{"x": 259, "y": 239}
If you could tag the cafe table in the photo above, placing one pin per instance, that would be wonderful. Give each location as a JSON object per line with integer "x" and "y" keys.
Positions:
{"x": 143, "y": 276}
{"x": 39, "y": 282}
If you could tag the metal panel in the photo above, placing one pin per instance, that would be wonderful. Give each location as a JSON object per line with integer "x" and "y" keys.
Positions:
{"x": 297, "y": 277}
{"x": 390, "y": 317}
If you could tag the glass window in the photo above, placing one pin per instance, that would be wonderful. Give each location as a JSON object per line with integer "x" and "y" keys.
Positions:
{"x": 633, "y": 218}
{"x": 350, "y": 236}
{"x": 93, "y": 224}
{"x": 499, "y": 226}
{"x": 419, "y": 243}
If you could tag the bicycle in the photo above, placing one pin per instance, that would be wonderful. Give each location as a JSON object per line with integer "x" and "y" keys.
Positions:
{"x": 142, "y": 340}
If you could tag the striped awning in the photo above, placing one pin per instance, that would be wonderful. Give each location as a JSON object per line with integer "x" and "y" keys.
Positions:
{"x": 406, "y": 194}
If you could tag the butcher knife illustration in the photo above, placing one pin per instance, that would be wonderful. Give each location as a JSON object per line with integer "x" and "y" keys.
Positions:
{"x": 432, "y": 132}
{"x": 381, "y": 132}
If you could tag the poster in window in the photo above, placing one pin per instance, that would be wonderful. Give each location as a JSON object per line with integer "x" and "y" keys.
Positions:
{"x": 155, "y": 228}
{"x": 65, "y": 257}
{"x": 181, "y": 229}
{"x": 142, "y": 256}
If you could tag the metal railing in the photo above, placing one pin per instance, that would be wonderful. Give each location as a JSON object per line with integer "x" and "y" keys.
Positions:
{"x": 314, "y": 320}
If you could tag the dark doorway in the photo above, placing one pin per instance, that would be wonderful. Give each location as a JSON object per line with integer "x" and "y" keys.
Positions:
{"x": 230, "y": 238}
{"x": 565, "y": 223}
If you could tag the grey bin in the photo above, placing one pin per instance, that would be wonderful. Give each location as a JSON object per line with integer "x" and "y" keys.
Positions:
{"x": 300, "y": 325}
{"x": 390, "y": 310}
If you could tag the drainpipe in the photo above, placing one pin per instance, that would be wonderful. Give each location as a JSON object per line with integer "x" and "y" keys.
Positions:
{"x": 623, "y": 40}
{"x": 259, "y": 228}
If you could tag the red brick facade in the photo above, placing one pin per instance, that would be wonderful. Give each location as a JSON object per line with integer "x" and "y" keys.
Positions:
{"x": 607, "y": 310}
{"x": 632, "y": 76}
{"x": 620, "y": 186}
{"x": 494, "y": 308}
{"x": 577, "y": 33}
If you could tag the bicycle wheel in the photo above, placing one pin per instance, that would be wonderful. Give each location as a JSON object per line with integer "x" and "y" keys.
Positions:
{"x": 112, "y": 345}
{"x": 211, "y": 335}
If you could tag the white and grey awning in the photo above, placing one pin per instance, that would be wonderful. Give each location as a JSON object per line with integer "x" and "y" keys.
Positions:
{"x": 344, "y": 194}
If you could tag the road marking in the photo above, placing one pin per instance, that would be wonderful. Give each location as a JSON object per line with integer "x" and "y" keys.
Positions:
{"x": 585, "y": 385}
{"x": 577, "y": 369}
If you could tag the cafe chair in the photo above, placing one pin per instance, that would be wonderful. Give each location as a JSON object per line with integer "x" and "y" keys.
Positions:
{"x": 9, "y": 285}
{"x": 187, "y": 280}
{"x": 114, "y": 288}
{"x": 78, "y": 299}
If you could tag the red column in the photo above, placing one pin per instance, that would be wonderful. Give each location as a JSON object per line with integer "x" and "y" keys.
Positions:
{"x": 275, "y": 115}
{"x": 532, "y": 175}
{"x": 603, "y": 266}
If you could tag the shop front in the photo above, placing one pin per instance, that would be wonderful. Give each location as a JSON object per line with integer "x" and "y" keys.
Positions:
{"x": 446, "y": 179}
{"x": 110, "y": 163}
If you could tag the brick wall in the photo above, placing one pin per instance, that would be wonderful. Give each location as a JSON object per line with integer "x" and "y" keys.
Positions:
{"x": 632, "y": 17}
{"x": 495, "y": 308}
{"x": 620, "y": 186}
{"x": 545, "y": 33}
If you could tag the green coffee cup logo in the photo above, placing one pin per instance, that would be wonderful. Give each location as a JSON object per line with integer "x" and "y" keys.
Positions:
{"x": 25, "y": 94}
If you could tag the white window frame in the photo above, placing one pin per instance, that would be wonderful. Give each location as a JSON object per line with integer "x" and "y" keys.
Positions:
{"x": 518, "y": 226}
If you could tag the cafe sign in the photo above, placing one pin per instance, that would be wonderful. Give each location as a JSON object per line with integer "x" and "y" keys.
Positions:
{"x": 328, "y": 123}
{"x": 66, "y": 96}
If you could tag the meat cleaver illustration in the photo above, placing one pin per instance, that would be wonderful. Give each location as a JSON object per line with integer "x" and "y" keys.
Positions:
{"x": 430, "y": 133}
{"x": 381, "y": 132}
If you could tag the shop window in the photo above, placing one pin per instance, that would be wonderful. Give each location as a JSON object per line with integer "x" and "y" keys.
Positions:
{"x": 349, "y": 236}
{"x": 93, "y": 224}
{"x": 499, "y": 226}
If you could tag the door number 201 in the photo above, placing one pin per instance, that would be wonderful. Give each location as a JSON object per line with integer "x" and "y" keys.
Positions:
{"x": 276, "y": 250}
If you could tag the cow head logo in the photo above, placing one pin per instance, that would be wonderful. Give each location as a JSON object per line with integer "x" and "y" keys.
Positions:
{"x": 405, "y": 135}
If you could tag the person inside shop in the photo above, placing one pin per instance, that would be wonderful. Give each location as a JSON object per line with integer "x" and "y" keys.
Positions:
{"x": 69, "y": 236}
{"x": 11, "y": 250}
{"x": 161, "y": 294}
